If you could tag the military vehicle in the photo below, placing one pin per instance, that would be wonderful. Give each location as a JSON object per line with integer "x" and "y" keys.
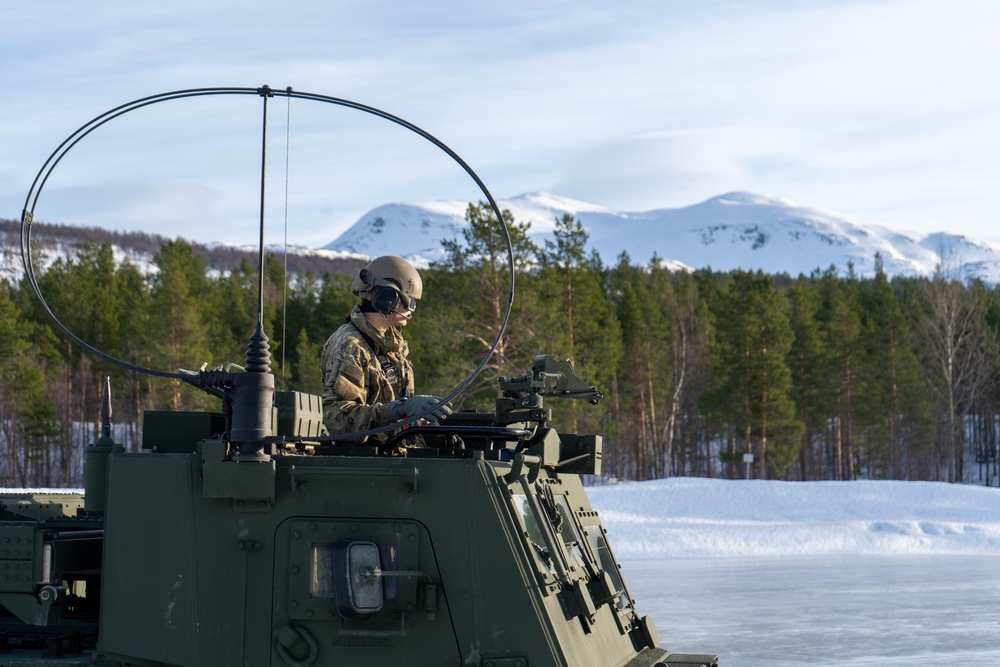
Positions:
{"x": 248, "y": 537}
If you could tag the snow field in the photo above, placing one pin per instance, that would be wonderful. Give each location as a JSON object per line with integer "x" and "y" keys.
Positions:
{"x": 695, "y": 518}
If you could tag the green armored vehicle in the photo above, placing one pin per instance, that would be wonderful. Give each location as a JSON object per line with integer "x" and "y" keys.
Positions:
{"x": 249, "y": 537}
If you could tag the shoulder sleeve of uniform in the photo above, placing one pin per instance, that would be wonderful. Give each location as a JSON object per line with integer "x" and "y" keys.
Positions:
{"x": 344, "y": 361}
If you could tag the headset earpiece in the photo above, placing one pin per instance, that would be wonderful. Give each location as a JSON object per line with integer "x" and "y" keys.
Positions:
{"x": 386, "y": 300}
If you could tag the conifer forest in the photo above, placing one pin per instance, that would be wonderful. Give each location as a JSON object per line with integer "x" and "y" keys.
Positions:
{"x": 827, "y": 376}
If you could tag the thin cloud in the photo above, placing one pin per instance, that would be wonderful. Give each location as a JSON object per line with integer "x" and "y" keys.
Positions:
{"x": 880, "y": 108}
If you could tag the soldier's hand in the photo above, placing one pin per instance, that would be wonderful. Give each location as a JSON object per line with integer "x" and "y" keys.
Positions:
{"x": 415, "y": 405}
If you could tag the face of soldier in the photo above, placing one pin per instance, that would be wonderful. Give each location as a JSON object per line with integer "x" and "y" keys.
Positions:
{"x": 382, "y": 322}
{"x": 398, "y": 318}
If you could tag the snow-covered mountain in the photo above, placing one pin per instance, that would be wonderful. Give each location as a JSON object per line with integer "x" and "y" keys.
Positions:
{"x": 735, "y": 230}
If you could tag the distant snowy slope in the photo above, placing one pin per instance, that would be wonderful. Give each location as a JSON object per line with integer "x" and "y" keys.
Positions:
{"x": 419, "y": 228}
{"x": 736, "y": 230}
{"x": 52, "y": 243}
{"x": 686, "y": 517}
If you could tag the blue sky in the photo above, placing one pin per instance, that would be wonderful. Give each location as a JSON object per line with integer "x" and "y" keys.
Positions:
{"x": 886, "y": 111}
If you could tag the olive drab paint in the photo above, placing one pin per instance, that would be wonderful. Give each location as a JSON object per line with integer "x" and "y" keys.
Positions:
{"x": 481, "y": 550}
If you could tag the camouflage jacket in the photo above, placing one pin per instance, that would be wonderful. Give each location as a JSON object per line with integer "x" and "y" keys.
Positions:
{"x": 356, "y": 388}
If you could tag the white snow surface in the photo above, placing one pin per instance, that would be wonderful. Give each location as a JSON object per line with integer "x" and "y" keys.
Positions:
{"x": 688, "y": 517}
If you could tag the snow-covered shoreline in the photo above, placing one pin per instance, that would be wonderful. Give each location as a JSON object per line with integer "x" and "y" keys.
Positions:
{"x": 696, "y": 518}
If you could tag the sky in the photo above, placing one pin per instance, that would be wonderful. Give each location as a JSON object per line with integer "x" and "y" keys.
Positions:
{"x": 884, "y": 111}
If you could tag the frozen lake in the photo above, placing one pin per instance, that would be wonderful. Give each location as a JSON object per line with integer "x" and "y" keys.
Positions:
{"x": 848, "y": 611}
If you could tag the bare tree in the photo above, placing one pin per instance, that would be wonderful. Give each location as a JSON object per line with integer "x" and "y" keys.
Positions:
{"x": 957, "y": 351}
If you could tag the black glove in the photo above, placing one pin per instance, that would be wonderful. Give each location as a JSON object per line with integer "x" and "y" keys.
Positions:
{"x": 407, "y": 407}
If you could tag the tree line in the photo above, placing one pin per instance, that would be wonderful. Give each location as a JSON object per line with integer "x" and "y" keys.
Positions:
{"x": 821, "y": 376}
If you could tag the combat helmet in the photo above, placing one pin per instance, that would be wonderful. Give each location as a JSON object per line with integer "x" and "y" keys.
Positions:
{"x": 388, "y": 282}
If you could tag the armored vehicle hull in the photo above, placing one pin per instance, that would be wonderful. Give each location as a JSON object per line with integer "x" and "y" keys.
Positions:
{"x": 321, "y": 555}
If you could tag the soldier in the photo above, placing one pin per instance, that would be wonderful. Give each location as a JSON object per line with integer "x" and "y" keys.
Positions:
{"x": 367, "y": 377}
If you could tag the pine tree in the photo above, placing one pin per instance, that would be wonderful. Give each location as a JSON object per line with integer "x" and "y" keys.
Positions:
{"x": 841, "y": 326}
{"x": 469, "y": 307}
{"x": 753, "y": 338}
{"x": 130, "y": 390}
{"x": 577, "y": 313}
{"x": 298, "y": 313}
{"x": 307, "y": 375}
{"x": 179, "y": 300}
{"x": 231, "y": 317}
{"x": 809, "y": 364}
{"x": 987, "y": 451}
{"x": 894, "y": 389}
{"x": 689, "y": 344}
{"x": 628, "y": 433}
{"x": 83, "y": 294}
{"x": 334, "y": 305}
{"x": 24, "y": 409}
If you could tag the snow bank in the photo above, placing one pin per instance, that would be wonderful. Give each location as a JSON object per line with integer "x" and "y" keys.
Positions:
{"x": 693, "y": 517}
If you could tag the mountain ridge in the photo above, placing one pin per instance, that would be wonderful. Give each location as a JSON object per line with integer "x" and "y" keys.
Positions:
{"x": 729, "y": 231}
{"x": 733, "y": 230}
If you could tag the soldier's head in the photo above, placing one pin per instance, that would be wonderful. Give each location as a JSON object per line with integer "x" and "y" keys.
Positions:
{"x": 389, "y": 286}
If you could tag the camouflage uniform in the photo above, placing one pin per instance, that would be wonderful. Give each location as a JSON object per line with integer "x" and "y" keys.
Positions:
{"x": 356, "y": 388}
